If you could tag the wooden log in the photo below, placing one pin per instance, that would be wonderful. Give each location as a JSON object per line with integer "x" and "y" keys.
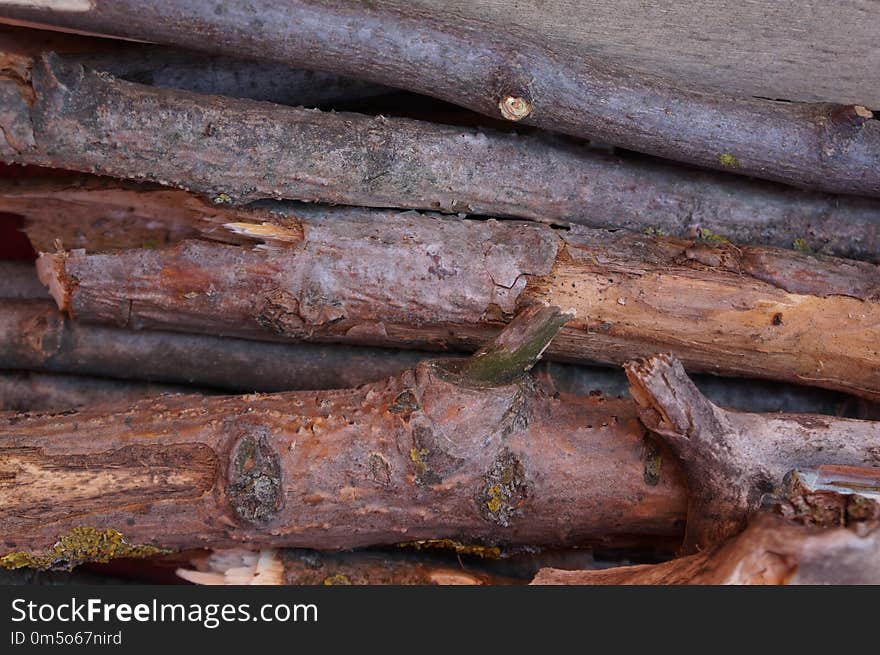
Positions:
{"x": 34, "y": 336}
{"x": 840, "y": 507}
{"x": 427, "y": 454}
{"x": 824, "y": 146}
{"x": 734, "y": 459}
{"x": 26, "y": 391}
{"x": 771, "y": 551}
{"x": 307, "y": 567}
{"x": 238, "y": 150}
{"x": 406, "y": 280}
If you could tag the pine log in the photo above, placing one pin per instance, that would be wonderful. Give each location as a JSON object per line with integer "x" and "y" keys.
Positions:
{"x": 732, "y": 460}
{"x": 514, "y": 74}
{"x": 306, "y": 567}
{"x": 55, "y": 113}
{"x": 26, "y": 391}
{"x": 406, "y": 280}
{"x": 427, "y": 454}
{"x": 18, "y": 281}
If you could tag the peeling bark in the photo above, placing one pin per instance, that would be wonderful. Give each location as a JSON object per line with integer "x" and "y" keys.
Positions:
{"x": 407, "y": 280}
{"x": 421, "y": 455}
{"x": 733, "y": 460}
{"x": 772, "y": 551}
{"x": 830, "y": 147}
{"x": 235, "y": 151}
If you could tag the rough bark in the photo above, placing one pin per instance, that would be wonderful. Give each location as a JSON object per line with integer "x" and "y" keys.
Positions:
{"x": 733, "y": 460}
{"x": 422, "y": 455}
{"x": 237, "y": 151}
{"x": 517, "y": 75}
{"x": 26, "y": 391}
{"x": 771, "y": 551}
{"x": 35, "y": 336}
{"x": 408, "y": 280}
{"x": 306, "y": 567}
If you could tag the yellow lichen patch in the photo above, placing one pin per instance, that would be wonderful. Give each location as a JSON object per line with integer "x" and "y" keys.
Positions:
{"x": 712, "y": 237}
{"x": 337, "y": 579}
{"x": 494, "y": 502}
{"x": 78, "y": 546}
{"x": 800, "y": 244}
{"x": 416, "y": 456}
{"x": 486, "y": 552}
{"x": 728, "y": 160}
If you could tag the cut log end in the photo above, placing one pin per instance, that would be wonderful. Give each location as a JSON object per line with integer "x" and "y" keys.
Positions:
{"x": 50, "y": 270}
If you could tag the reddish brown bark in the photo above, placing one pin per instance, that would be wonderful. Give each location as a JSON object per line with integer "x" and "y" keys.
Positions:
{"x": 426, "y": 454}
{"x": 733, "y": 459}
{"x": 407, "y": 280}
{"x": 57, "y": 114}
{"x": 517, "y": 76}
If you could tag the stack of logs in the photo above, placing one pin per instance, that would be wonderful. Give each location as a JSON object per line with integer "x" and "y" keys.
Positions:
{"x": 382, "y": 287}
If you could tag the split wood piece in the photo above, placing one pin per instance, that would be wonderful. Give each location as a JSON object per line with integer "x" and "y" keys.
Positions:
{"x": 367, "y": 277}
{"x": 829, "y": 496}
{"x": 422, "y": 455}
{"x": 733, "y": 460}
{"x": 513, "y": 74}
{"x": 770, "y": 551}
{"x": 237, "y": 566}
{"x": 191, "y": 70}
{"x": 55, "y": 113}
{"x": 35, "y": 336}
{"x": 26, "y": 391}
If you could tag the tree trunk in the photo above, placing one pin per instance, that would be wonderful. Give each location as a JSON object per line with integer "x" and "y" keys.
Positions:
{"x": 56, "y": 114}
{"x": 516, "y": 75}
{"x": 405, "y": 280}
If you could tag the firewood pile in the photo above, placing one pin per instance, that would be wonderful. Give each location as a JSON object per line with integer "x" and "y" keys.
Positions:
{"x": 365, "y": 293}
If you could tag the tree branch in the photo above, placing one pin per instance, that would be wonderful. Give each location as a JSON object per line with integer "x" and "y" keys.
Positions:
{"x": 733, "y": 459}
{"x": 421, "y": 455}
{"x": 407, "y": 280}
